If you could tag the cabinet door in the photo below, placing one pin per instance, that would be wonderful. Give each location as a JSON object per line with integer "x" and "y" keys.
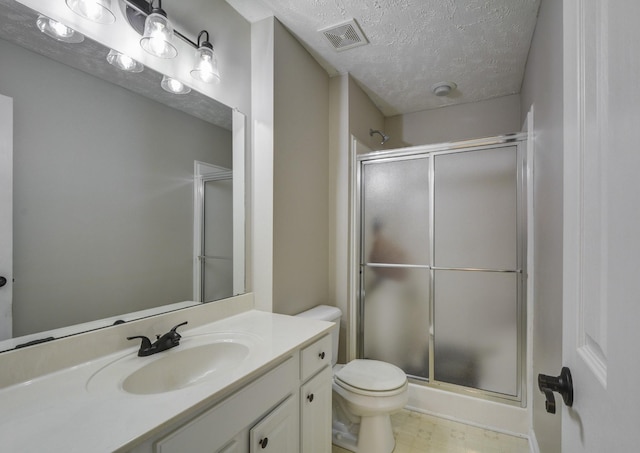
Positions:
{"x": 315, "y": 410}
{"x": 279, "y": 431}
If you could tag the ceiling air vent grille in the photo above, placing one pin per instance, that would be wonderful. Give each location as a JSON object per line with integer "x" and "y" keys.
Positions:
{"x": 346, "y": 35}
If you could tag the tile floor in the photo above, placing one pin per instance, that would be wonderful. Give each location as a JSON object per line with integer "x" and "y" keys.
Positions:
{"x": 421, "y": 433}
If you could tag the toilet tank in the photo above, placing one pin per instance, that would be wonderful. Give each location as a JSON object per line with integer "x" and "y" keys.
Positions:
{"x": 327, "y": 313}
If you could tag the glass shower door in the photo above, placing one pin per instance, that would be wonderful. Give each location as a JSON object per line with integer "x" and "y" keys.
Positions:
{"x": 476, "y": 276}
{"x": 395, "y": 263}
{"x": 217, "y": 242}
{"x": 442, "y": 234}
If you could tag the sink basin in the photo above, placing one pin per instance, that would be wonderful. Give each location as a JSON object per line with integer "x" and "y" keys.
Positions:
{"x": 197, "y": 359}
{"x": 185, "y": 367}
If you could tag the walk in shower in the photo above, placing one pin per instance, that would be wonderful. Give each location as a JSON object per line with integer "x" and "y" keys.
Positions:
{"x": 442, "y": 258}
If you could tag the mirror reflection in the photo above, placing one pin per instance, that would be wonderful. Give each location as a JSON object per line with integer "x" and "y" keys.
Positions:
{"x": 110, "y": 214}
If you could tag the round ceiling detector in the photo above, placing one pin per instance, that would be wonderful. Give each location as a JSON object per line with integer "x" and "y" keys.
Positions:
{"x": 443, "y": 88}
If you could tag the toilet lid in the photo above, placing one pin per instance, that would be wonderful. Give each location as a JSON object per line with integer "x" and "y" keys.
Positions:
{"x": 371, "y": 375}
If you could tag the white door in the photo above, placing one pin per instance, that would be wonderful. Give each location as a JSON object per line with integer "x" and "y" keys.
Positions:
{"x": 6, "y": 215}
{"x": 601, "y": 314}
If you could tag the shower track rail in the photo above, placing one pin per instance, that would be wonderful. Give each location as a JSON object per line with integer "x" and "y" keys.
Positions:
{"x": 438, "y": 268}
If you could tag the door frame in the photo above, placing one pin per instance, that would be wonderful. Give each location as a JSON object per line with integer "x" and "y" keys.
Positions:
{"x": 203, "y": 172}
{"x": 6, "y": 221}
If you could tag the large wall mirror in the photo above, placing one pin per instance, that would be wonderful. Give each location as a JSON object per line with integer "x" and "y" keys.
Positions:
{"x": 110, "y": 179}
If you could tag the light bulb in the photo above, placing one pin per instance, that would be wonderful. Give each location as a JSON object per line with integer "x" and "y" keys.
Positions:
{"x": 61, "y": 30}
{"x": 157, "y": 36}
{"x": 57, "y": 30}
{"x": 206, "y": 67}
{"x": 124, "y": 62}
{"x": 174, "y": 86}
{"x": 98, "y": 11}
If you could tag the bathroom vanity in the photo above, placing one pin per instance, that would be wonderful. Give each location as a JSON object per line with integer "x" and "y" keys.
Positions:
{"x": 250, "y": 382}
{"x": 287, "y": 410}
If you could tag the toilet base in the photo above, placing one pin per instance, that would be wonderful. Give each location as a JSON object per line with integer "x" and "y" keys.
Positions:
{"x": 343, "y": 438}
{"x": 373, "y": 435}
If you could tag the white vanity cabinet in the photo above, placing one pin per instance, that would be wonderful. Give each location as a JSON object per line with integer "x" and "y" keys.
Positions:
{"x": 315, "y": 413}
{"x": 315, "y": 397}
{"x": 285, "y": 410}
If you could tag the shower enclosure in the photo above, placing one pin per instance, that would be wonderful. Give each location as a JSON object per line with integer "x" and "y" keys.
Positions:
{"x": 213, "y": 233}
{"x": 442, "y": 232}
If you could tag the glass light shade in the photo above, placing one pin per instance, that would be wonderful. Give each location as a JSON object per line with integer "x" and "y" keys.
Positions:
{"x": 206, "y": 67}
{"x": 124, "y": 62}
{"x": 59, "y": 31}
{"x": 174, "y": 86}
{"x": 98, "y": 11}
{"x": 157, "y": 37}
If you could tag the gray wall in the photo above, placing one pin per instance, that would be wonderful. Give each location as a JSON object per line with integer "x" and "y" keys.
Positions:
{"x": 81, "y": 143}
{"x": 363, "y": 116}
{"x": 458, "y": 122}
{"x": 301, "y": 177}
{"x": 542, "y": 88}
{"x": 352, "y": 113}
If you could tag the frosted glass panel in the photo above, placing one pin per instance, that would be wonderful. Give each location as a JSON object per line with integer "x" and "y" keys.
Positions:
{"x": 396, "y": 212}
{"x": 475, "y": 209}
{"x": 396, "y": 319}
{"x": 217, "y": 271}
{"x": 218, "y": 279}
{"x": 476, "y": 330}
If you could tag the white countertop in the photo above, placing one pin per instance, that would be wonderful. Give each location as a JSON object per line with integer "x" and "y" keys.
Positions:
{"x": 59, "y": 413}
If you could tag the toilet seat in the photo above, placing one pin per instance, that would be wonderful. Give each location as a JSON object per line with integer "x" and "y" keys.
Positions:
{"x": 371, "y": 378}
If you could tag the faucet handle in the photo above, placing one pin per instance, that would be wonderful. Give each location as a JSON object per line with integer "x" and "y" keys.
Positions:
{"x": 173, "y": 330}
{"x": 146, "y": 343}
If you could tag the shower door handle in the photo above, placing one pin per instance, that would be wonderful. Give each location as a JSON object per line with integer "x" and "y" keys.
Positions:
{"x": 3, "y": 281}
{"x": 562, "y": 384}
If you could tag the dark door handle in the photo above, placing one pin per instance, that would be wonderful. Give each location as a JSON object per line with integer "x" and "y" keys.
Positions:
{"x": 562, "y": 384}
{"x": 3, "y": 281}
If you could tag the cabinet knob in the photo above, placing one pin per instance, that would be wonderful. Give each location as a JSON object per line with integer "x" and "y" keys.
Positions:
{"x": 263, "y": 442}
{"x": 310, "y": 397}
{"x": 321, "y": 355}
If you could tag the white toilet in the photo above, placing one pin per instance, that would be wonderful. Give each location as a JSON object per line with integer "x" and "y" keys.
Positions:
{"x": 365, "y": 394}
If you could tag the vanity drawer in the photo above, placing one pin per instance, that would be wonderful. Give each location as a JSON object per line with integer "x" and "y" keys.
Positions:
{"x": 315, "y": 356}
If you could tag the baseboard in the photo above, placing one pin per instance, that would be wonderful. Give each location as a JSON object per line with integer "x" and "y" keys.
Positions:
{"x": 485, "y": 414}
{"x": 533, "y": 442}
{"x": 466, "y": 422}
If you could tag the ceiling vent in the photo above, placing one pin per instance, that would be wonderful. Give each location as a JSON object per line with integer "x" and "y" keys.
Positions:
{"x": 344, "y": 36}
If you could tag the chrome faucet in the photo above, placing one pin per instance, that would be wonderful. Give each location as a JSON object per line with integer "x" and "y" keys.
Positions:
{"x": 163, "y": 342}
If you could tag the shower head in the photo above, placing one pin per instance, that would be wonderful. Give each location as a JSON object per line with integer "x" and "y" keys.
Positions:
{"x": 384, "y": 136}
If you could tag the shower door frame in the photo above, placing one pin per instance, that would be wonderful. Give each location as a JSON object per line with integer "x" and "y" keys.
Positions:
{"x": 204, "y": 173}
{"x": 519, "y": 140}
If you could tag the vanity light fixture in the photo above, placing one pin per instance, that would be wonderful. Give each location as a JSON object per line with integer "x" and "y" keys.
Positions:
{"x": 158, "y": 33}
{"x": 98, "y": 11}
{"x": 124, "y": 62}
{"x": 174, "y": 86}
{"x": 206, "y": 67}
{"x": 58, "y": 30}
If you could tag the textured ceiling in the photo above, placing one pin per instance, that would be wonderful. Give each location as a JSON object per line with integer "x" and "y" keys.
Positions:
{"x": 481, "y": 45}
